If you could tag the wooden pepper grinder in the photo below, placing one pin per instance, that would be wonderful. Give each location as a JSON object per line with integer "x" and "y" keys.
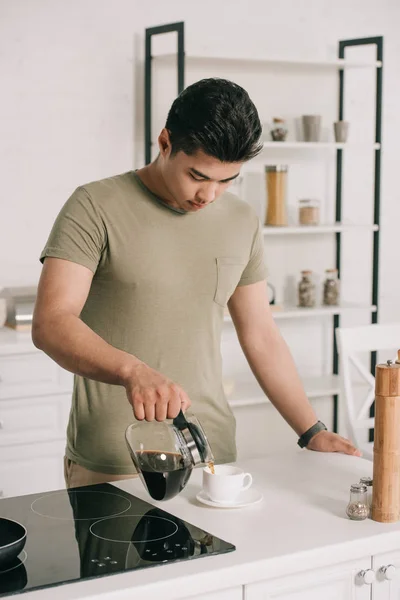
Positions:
{"x": 386, "y": 477}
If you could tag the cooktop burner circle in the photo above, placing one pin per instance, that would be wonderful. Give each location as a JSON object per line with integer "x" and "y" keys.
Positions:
{"x": 80, "y": 505}
{"x": 105, "y": 529}
{"x": 18, "y": 562}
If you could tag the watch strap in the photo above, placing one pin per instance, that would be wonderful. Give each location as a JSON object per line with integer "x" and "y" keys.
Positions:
{"x": 310, "y": 433}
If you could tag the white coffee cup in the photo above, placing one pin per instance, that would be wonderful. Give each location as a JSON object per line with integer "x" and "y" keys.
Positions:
{"x": 227, "y": 483}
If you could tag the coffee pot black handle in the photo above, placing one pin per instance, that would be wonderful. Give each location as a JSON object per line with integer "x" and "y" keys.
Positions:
{"x": 181, "y": 423}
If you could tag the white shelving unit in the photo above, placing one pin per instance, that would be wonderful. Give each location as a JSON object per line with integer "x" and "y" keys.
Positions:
{"x": 249, "y": 393}
{"x": 294, "y": 312}
{"x": 295, "y": 145}
{"x": 271, "y": 61}
{"x": 318, "y": 229}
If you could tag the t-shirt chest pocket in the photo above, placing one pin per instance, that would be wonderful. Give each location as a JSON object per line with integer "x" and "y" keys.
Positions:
{"x": 229, "y": 271}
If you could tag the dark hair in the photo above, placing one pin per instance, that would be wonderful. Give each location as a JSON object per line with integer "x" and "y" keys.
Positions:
{"x": 217, "y": 117}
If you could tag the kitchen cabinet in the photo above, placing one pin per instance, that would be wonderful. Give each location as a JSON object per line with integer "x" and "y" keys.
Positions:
{"x": 371, "y": 578}
{"x": 387, "y": 569}
{"x": 27, "y": 420}
{"x": 339, "y": 582}
{"x": 296, "y": 545}
{"x": 35, "y": 399}
{"x": 31, "y": 468}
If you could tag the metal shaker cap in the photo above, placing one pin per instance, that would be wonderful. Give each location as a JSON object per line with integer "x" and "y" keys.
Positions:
{"x": 358, "y": 487}
{"x": 366, "y": 481}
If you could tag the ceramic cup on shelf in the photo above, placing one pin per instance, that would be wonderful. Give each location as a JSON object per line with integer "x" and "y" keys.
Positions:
{"x": 341, "y": 129}
{"x": 226, "y": 483}
{"x": 311, "y": 127}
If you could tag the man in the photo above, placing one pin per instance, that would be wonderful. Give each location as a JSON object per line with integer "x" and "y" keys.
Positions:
{"x": 137, "y": 271}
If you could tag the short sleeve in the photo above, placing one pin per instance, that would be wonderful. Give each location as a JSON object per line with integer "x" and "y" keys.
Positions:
{"x": 255, "y": 269}
{"x": 78, "y": 233}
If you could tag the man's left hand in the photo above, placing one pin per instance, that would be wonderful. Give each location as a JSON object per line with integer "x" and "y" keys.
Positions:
{"x": 326, "y": 441}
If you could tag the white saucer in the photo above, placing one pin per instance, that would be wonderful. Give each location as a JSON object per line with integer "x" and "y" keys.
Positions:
{"x": 246, "y": 498}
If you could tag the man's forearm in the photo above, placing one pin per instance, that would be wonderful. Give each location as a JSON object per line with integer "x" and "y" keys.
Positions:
{"x": 77, "y": 348}
{"x": 271, "y": 362}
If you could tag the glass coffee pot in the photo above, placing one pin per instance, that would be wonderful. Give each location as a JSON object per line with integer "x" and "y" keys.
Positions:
{"x": 165, "y": 453}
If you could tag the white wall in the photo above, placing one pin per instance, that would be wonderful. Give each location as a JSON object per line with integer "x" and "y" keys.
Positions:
{"x": 72, "y": 111}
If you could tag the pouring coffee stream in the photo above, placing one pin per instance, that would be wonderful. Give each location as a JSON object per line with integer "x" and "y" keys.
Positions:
{"x": 165, "y": 453}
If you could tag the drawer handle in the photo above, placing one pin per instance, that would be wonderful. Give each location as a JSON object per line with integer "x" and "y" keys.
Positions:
{"x": 367, "y": 576}
{"x": 1, "y": 424}
{"x": 389, "y": 572}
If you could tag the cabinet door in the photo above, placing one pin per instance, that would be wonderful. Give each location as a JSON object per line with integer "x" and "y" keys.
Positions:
{"x": 31, "y": 468}
{"x": 26, "y": 420}
{"x": 339, "y": 582}
{"x": 31, "y": 374}
{"x": 231, "y": 594}
{"x": 387, "y": 584}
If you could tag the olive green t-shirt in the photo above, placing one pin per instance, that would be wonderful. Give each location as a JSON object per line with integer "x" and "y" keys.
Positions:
{"x": 161, "y": 281}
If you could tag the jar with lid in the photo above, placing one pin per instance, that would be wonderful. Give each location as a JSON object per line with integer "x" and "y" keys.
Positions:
{"x": 308, "y": 212}
{"x": 306, "y": 290}
{"x": 278, "y": 130}
{"x": 276, "y": 176}
{"x": 368, "y": 482}
{"x": 357, "y": 508}
{"x": 331, "y": 295}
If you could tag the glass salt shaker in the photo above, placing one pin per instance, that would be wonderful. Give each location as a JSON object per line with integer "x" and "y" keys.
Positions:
{"x": 306, "y": 290}
{"x": 368, "y": 482}
{"x": 331, "y": 288}
{"x": 357, "y": 508}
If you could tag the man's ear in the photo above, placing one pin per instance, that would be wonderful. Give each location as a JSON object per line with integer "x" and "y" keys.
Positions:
{"x": 164, "y": 143}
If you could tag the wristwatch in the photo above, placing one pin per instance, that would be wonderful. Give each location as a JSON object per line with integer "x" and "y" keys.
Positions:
{"x": 309, "y": 434}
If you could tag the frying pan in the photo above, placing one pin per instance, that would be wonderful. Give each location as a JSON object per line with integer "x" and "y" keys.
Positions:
{"x": 12, "y": 541}
{"x": 13, "y": 580}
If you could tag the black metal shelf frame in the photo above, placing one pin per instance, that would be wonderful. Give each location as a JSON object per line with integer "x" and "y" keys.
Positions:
{"x": 150, "y": 33}
{"x": 378, "y": 42}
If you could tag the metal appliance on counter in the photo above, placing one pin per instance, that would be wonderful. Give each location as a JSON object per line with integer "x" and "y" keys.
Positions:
{"x": 20, "y": 302}
{"x": 82, "y": 533}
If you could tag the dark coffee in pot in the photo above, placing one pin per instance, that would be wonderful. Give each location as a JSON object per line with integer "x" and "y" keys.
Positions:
{"x": 164, "y": 473}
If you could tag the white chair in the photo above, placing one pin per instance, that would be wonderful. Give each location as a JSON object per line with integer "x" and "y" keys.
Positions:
{"x": 352, "y": 341}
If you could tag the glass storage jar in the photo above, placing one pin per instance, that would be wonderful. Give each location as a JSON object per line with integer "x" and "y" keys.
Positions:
{"x": 276, "y": 176}
{"x": 278, "y": 130}
{"x": 308, "y": 212}
{"x": 306, "y": 290}
{"x": 331, "y": 295}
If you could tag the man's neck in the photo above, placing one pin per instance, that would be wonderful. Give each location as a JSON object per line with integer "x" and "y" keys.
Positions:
{"x": 152, "y": 178}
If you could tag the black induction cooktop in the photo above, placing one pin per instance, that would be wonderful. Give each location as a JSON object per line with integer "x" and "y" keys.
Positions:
{"x": 95, "y": 531}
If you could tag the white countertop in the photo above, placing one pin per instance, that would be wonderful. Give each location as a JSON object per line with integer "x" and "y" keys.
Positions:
{"x": 301, "y": 524}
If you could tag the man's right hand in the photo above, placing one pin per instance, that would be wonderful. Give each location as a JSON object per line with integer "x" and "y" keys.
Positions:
{"x": 154, "y": 396}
